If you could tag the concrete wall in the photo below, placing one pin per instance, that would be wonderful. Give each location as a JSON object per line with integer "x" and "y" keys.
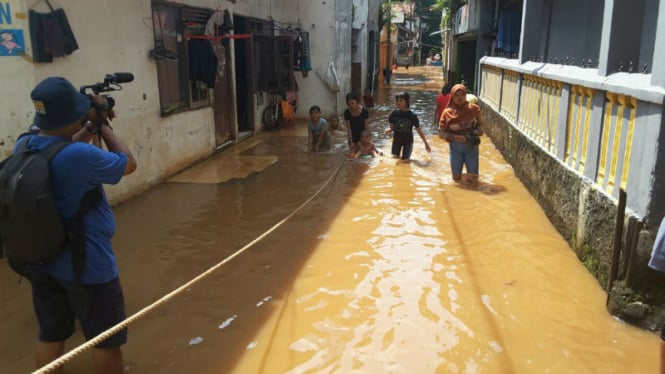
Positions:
{"x": 110, "y": 41}
{"x": 649, "y": 106}
{"x": 579, "y": 42}
{"x": 650, "y": 18}
{"x": 329, "y": 26}
{"x": 116, "y": 36}
{"x": 373, "y": 50}
{"x": 360, "y": 26}
{"x": 565, "y": 180}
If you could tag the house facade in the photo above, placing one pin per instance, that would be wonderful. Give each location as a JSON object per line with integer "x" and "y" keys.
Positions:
{"x": 177, "y": 110}
{"x": 574, "y": 98}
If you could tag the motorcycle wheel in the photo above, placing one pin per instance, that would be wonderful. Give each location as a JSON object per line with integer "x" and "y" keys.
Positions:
{"x": 271, "y": 120}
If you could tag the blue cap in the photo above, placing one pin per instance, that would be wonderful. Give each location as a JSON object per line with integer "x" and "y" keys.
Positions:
{"x": 58, "y": 103}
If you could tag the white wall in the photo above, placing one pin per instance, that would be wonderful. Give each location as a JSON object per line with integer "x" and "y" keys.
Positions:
{"x": 112, "y": 36}
{"x": 116, "y": 36}
{"x": 319, "y": 19}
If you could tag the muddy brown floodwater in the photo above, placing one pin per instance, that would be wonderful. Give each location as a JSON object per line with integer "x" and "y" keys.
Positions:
{"x": 392, "y": 268}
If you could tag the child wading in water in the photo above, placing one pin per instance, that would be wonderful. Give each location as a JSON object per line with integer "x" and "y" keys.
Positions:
{"x": 318, "y": 138}
{"x": 334, "y": 123}
{"x": 356, "y": 118}
{"x": 366, "y": 147}
{"x": 402, "y": 121}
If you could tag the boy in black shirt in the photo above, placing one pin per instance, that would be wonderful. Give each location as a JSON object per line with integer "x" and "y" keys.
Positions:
{"x": 402, "y": 121}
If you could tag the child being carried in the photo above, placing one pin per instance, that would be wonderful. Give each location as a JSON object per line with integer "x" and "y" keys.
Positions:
{"x": 366, "y": 147}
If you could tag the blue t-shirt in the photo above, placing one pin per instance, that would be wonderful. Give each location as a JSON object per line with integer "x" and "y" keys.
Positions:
{"x": 80, "y": 167}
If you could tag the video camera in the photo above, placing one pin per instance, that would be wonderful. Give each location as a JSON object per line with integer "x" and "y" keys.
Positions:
{"x": 111, "y": 83}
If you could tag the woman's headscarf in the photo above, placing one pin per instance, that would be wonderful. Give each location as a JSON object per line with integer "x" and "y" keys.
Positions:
{"x": 459, "y": 113}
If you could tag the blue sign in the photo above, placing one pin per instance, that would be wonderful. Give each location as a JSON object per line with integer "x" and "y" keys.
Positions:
{"x": 11, "y": 42}
{"x": 11, "y": 35}
{"x": 5, "y": 14}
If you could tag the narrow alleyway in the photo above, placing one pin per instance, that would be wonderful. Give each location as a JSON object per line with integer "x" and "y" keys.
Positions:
{"x": 393, "y": 268}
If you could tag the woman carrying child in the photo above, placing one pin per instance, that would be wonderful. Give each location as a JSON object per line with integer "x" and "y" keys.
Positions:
{"x": 461, "y": 126}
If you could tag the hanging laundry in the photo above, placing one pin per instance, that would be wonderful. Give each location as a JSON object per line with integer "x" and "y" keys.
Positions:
{"x": 305, "y": 63}
{"x": 220, "y": 52}
{"x": 227, "y": 25}
{"x": 508, "y": 34}
{"x": 213, "y": 29}
{"x": 288, "y": 113}
{"x": 292, "y": 98}
{"x": 212, "y": 26}
{"x": 219, "y": 24}
{"x": 202, "y": 62}
{"x": 297, "y": 52}
{"x": 51, "y": 34}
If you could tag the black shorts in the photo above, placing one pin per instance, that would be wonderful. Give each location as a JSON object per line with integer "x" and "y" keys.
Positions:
{"x": 57, "y": 304}
{"x": 403, "y": 147}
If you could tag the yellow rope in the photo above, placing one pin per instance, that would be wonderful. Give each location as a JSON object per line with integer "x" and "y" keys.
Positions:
{"x": 140, "y": 314}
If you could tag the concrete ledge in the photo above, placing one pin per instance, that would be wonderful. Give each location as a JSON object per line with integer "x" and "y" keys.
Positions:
{"x": 636, "y": 84}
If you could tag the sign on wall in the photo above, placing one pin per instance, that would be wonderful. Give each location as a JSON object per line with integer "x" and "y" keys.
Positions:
{"x": 11, "y": 35}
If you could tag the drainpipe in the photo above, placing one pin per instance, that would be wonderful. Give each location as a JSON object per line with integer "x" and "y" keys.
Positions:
{"x": 337, "y": 54}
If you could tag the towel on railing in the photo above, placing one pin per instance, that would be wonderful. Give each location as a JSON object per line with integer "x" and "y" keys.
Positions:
{"x": 657, "y": 261}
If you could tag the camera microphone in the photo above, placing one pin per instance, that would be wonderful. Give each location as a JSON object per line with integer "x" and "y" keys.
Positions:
{"x": 111, "y": 83}
{"x": 119, "y": 78}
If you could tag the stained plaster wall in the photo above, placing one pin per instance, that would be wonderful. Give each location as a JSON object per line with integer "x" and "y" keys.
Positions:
{"x": 111, "y": 41}
{"x": 328, "y": 23}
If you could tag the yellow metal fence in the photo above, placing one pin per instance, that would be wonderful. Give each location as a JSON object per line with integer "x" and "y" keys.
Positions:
{"x": 510, "y": 95}
{"x": 577, "y": 127}
{"x": 491, "y": 88}
{"x": 616, "y": 141}
{"x": 539, "y": 101}
{"x": 539, "y": 110}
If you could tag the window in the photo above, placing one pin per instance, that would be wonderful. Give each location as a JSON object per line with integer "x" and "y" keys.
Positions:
{"x": 275, "y": 63}
{"x": 172, "y": 55}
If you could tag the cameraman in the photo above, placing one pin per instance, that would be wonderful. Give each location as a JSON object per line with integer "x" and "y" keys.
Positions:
{"x": 95, "y": 296}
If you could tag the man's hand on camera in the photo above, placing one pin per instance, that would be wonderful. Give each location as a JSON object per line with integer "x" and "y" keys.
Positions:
{"x": 110, "y": 114}
{"x": 96, "y": 116}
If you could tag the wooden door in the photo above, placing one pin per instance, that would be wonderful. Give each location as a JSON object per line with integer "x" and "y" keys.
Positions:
{"x": 224, "y": 104}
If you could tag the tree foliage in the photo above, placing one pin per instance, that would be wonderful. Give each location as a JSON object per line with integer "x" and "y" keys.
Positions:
{"x": 429, "y": 12}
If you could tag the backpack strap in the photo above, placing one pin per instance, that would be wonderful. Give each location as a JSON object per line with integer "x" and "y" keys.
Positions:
{"x": 23, "y": 143}
{"x": 49, "y": 152}
{"x": 53, "y": 149}
{"x": 76, "y": 229}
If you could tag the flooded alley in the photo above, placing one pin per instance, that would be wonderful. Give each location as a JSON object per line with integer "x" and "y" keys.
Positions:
{"x": 391, "y": 267}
